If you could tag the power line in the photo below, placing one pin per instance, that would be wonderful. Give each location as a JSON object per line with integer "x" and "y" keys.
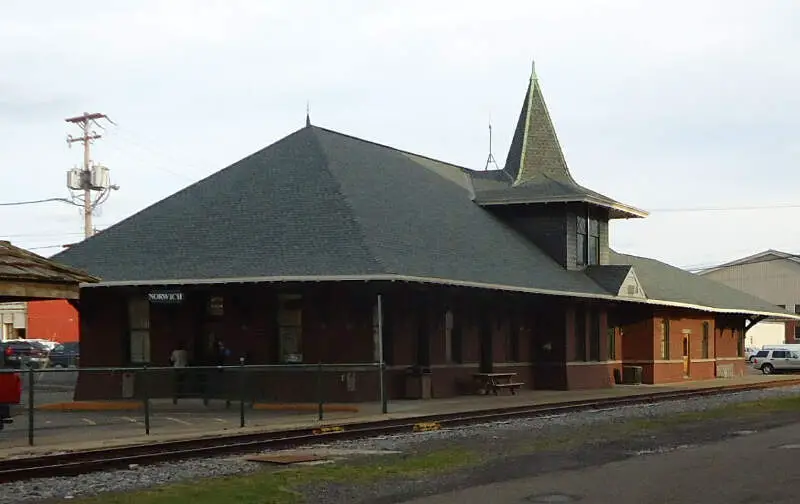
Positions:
{"x": 724, "y": 209}
{"x": 33, "y": 202}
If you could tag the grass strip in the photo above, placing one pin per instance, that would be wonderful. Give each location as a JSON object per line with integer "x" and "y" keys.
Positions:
{"x": 270, "y": 486}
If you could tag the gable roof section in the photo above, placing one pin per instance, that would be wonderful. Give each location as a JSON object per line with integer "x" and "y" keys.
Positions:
{"x": 669, "y": 285}
{"x": 536, "y": 169}
{"x": 25, "y": 276}
{"x": 20, "y": 265}
{"x": 620, "y": 280}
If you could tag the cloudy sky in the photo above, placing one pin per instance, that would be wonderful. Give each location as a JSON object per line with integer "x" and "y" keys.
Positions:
{"x": 669, "y": 106}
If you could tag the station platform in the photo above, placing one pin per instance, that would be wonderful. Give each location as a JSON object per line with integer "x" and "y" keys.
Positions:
{"x": 59, "y": 431}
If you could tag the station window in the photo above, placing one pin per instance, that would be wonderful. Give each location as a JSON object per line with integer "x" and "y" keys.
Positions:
{"x": 594, "y": 336}
{"x": 593, "y": 252}
{"x": 512, "y": 335}
{"x": 612, "y": 343}
{"x": 665, "y": 339}
{"x": 139, "y": 330}
{"x": 705, "y": 340}
{"x": 581, "y": 258}
{"x": 738, "y": 334}
{"x": 580, "y": 334}
{"x": 456, "y": 338}
{"x": 290, "y": 328}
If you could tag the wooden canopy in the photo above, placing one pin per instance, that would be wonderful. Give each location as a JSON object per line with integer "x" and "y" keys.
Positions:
{"x": 25, "y": 276}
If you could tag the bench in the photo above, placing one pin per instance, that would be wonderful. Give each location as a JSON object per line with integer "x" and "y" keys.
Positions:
{"x": 494, "y": 382}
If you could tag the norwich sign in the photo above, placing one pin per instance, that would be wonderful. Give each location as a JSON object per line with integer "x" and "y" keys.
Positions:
{"x": 165, "y": 297}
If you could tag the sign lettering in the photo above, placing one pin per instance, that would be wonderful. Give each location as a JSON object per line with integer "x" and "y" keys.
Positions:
{"x": 165, "y": 297}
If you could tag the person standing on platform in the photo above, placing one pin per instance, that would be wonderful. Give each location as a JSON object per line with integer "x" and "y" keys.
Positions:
{"x": 179, "y": 359}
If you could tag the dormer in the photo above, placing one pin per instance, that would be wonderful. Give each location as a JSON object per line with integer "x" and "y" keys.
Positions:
{"x": 536, "y": 194}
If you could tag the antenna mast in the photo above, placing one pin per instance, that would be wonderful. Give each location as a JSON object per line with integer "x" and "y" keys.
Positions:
{"x": 490, "y": 159}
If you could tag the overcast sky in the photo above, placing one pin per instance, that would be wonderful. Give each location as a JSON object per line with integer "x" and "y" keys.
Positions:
{"x": 661, "y": 105}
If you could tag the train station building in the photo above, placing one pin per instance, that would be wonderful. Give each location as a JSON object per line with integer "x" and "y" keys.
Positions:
{"x": 323, "y": 247}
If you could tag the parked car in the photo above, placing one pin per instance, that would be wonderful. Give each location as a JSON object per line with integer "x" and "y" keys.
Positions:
{"x": 770, "y": 361}
{"x": 15, "y": 352}
{"x": 65, "y": 355}
{"x": 749, "y": 353}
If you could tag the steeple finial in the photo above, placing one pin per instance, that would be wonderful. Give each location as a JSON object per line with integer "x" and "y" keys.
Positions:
{"x": 308, "y": 114}
{"x": 533, "y": 70}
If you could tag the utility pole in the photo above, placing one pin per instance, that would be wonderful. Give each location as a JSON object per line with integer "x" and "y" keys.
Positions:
{"x": 90, "y": 177}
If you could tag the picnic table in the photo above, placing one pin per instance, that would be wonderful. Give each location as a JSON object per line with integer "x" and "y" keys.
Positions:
{"x": 494, "y": 382}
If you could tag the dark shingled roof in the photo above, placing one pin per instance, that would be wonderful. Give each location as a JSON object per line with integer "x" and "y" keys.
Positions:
{"x": 667, "y": 283}
{"x": 536, "y": 169}
{"x": 321, "y": 205}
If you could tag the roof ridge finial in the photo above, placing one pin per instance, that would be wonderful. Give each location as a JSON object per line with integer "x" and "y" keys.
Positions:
{"x": 308, "y": 114}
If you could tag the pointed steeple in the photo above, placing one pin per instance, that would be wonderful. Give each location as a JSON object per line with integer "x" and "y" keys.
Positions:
{"x": 535, "y": 151}
{"x": 308, "y": 115}
{"x": 536, "y": 171}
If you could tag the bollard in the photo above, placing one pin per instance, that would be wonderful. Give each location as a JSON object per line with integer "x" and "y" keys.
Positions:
{"x": 30, "y": 404}
{"x": 146, "y": 402}
{"x": 241, "y": 391}
{"x": 319, "y": 391}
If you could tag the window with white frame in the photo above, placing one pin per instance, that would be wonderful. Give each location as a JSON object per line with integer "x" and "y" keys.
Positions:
{"x": 139, "y": 330}
{"x": 290, "y": 327}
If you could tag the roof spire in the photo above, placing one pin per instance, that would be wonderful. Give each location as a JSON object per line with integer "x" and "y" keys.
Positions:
{"x": 535, "y": 151}
{"x": 308, "y": 114}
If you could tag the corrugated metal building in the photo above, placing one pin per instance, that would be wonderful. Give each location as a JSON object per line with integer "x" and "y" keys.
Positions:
{"x": 770, "y": 275}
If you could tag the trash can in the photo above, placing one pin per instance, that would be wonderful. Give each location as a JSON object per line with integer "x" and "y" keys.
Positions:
{"x": 632, "y": 375}
{"x": 128, "y": 382}
{"x": 418, "y": 383}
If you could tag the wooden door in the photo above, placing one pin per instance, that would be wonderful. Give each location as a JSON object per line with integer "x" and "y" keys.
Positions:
{"x": 686, "y": 355}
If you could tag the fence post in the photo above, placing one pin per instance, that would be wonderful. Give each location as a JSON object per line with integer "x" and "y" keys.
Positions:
{"x": 30, "y": 403}
{"x": 241, "y": 391}
{"x": 384, "y": 399}
{"x": 145, "y": 393}
{"x": 319, "y": 391}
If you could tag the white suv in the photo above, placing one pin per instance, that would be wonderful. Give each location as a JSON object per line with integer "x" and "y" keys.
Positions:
{"x": 769, "y": 361}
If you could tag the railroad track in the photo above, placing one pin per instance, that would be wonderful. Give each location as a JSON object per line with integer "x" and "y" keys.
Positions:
{"x": 74, "y": 463}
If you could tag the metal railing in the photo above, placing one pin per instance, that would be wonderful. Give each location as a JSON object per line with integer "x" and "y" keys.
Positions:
{"x": 241, "y": 384}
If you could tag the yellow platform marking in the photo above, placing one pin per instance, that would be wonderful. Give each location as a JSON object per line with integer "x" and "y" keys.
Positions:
{"x": 427, "y": 426}
{"x": 327, "y": 430}
{"x": 92, "y": 406}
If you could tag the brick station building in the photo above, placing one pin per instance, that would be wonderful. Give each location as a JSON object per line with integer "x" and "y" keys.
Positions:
{"x": 285, "y": 254}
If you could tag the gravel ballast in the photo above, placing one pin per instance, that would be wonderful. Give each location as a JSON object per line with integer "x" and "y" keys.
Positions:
{"x": 493, "y": 439}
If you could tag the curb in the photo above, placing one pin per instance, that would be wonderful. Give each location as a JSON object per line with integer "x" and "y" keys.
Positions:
{"x": 91, "y": 406}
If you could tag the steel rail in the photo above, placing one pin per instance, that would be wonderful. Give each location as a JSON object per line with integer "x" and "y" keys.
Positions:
{"x": 81, "y": 462}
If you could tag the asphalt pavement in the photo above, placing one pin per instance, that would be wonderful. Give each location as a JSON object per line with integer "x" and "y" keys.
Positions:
{"x": 755, "y": 467}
